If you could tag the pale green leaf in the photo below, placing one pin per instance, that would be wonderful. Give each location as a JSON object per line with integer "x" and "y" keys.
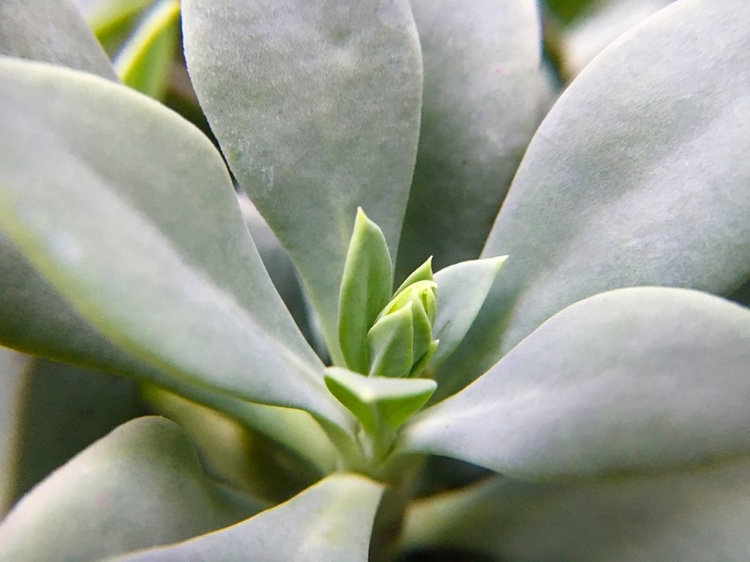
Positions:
{"x": 391, "y": 344}
{"x": 365, "y": 290}
{"x": 703, "y": 514}
{"x": 51, "y": 31}
{"x": 638, "y": 176}
{"x": 461, "y": 291}
{"x": 169, "y": 274}
{"x": 330, "y": 521}
{"x": 629, "y": 380}
{"x": 422, "y": 273}
{"x": 140, "y": 486}
{"x": 482, "y": 90}
{"x": 379, "y": 400}
{"x": 104, "y": 15}
{"x": 316, "y": 105}
{"x": 145, "y": 60}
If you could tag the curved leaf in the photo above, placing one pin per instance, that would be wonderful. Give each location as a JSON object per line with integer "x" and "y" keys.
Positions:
{"x": 330, "y": 521}
{"x": 316, "y": 105}
{"x": 145, "y": 60}
{"x": 630, "y": 380}
{"x": 638, "y": 176}
{"x": 482, "y": 90}
{"x": 169, "y": 274}
{"x": 703, "y": 514}
{"x": 140, "y": 486}
{"x": 51, "y": 31}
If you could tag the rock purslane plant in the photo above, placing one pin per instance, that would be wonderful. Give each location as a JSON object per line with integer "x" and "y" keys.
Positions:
{"x": 578, "y": 345}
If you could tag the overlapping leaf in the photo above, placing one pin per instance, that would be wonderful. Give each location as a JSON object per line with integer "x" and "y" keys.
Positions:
{"x": 316, "y": 105}
{"x": 638, "y": 176}
{"x": 703, "y": 514}
{"x": 330, "y": 521}
{"x": 140, "y": 486}
{"x": 482, "y": 90}
{"x": 629, "y": 380}
{"x": 165, "y": 266}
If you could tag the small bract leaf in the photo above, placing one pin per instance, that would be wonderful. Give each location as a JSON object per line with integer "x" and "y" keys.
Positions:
{"x": 331, "y": 521}
{"x": 145, "y": 59}
{"x": 365, "y": 290}
{"x": 376, "y": 401}
{"x": 391, "y": 344}
{"x": 422, "y": 273}
{"x": 462, "y": 290}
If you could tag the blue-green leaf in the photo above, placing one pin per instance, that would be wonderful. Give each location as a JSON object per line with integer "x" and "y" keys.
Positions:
{"x": 330, "y": 521}
{"x": 316, "y": 105}
{"x": 629, "y": 380}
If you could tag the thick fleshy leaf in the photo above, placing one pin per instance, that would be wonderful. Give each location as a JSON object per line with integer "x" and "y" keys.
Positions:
{"x": 169, "y": 274}
{"x": 592, "y": 33}
{"x": 37, "y": 319}
{"x": 482, "y": 90}
{"x": 379, "y": 402}
{"x": 330, "y": 521}
{"x": 145, "y": 60}
{"x": 702, "y": 514}
{"x": 461, "y": 291}
{"x": 365, "y": 290}
{"x": 316, "y": 105}
{"x": 51, "y": 31}
{"x": 57, "y": 411}
{"x": 140, "y": 486}
{"x": 638, "y": 176}
{"x": 632, "y": 379}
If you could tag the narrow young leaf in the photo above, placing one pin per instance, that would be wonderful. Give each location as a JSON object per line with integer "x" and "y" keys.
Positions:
{"x": 145, "y": 60}
{"x": 391, "y": 342}
{"x": 365, "y": 290}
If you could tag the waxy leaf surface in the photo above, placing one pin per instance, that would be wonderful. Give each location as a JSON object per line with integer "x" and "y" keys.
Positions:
{"x": 703, "y": 514}
{"x": 629, "y": 380}
{"x": 316, "y": 105}
{"x": 330, "y": 521}
{"x": 482, "y": 91}
{"x": 164, "y": 266}
{"x": 638, "y": 176}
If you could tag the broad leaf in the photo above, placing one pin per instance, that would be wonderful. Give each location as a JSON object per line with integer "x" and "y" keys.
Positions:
{"x": 638, "y": 176}
{"x": 629, "y": 380}
{"x": 145, "y": 60}
{"x": 365, "y": 290}
{"x": 703, "y": 514}
{"x": 140, "y": 486}
{"x": 482, "y": 91}
{"x": 316, "y": 105}
{"x": 51, "y": 31}
{"x": 169, "y": 274}
{"x": 330, "y": 521}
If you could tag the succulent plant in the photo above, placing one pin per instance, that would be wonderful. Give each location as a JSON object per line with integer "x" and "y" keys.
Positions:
{"x": 577, "y": 349}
